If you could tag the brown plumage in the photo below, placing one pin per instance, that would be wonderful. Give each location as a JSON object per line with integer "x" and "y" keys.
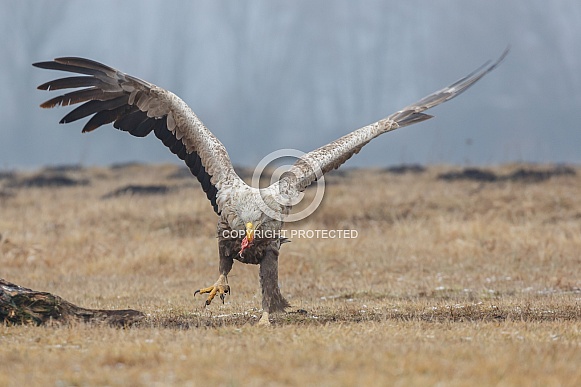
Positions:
{"x": 139, "y": 107}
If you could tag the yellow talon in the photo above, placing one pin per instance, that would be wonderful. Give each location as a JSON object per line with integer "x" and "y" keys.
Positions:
{"x": 221, "y": 287}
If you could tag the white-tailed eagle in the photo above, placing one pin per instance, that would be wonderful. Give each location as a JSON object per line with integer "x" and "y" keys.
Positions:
{"x": 139, "y": 107}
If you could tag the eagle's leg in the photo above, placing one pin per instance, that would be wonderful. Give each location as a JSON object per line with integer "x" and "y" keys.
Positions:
{"x": 221, "y": 286}
{"x": 272, "y": 299}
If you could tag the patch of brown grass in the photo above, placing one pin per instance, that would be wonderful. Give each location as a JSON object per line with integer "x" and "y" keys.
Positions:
{"x": 458, "y": 283}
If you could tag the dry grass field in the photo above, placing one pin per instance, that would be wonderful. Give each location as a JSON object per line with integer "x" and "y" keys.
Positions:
{"x": 456, "y": 278}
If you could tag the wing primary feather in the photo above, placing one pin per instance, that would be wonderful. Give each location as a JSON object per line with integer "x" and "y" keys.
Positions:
{"x": 456, "y": 88}
{"x": 204, "y": 179}
{"x": 178, "y": 148}
{"x": 104, "y": 117}
{"x": 160, "y": 128}
{"x": 144, "y": 128}
{"x": 92, "y": 107}
{"x": 194, "y": 162}
{"x": 75, "y": 82}
{"x": 131, "y": 120}
{"x": 165, "y": 135}
{"x": 80, "y": 96}
{"x": 71, "y": 69}
{"x": 87, "y": 64}
{"x": 212, "y": 197}
{"x": 412, "y": 118}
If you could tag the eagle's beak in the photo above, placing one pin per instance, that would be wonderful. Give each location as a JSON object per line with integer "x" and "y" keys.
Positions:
{"x": 248, "y": 238}
{"x": 249, "y": 231}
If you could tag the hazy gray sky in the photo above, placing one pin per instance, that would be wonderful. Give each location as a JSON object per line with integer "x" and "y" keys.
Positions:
{"x": 264, "y": 75}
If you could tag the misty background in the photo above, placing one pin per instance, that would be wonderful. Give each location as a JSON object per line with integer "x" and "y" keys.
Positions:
{"x": 270, "y": 74}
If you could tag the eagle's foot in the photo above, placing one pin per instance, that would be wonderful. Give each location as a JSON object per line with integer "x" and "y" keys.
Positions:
{"x": 264, "y": 321}
{"x": 221, "y": 287}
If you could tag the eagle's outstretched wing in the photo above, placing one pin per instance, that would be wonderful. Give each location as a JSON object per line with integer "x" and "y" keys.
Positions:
{"x": 139, "y": 107}
{"x": 313, "y": 165}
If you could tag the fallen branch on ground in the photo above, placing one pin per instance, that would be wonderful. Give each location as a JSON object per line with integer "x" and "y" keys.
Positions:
{"x": 20, "y": 305}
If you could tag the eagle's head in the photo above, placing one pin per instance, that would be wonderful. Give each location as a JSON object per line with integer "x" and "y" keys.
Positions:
{"x": 253, "y": 221}
{"x": 250, "y": 218}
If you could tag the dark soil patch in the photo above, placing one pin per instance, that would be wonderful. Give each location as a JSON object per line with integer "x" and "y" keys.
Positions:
{"x": 7, "y": 175}
{"x": 48, "y": 181}
{"x": 142, "y": 190}
{"x": 524, "y": 175}
{"x": 470, "y": 174}
{"x": 64, "y": 168}
{"x": 405, "y": 168}
{"x": 534, "y": 176}
{"x": 121, "y": 166}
